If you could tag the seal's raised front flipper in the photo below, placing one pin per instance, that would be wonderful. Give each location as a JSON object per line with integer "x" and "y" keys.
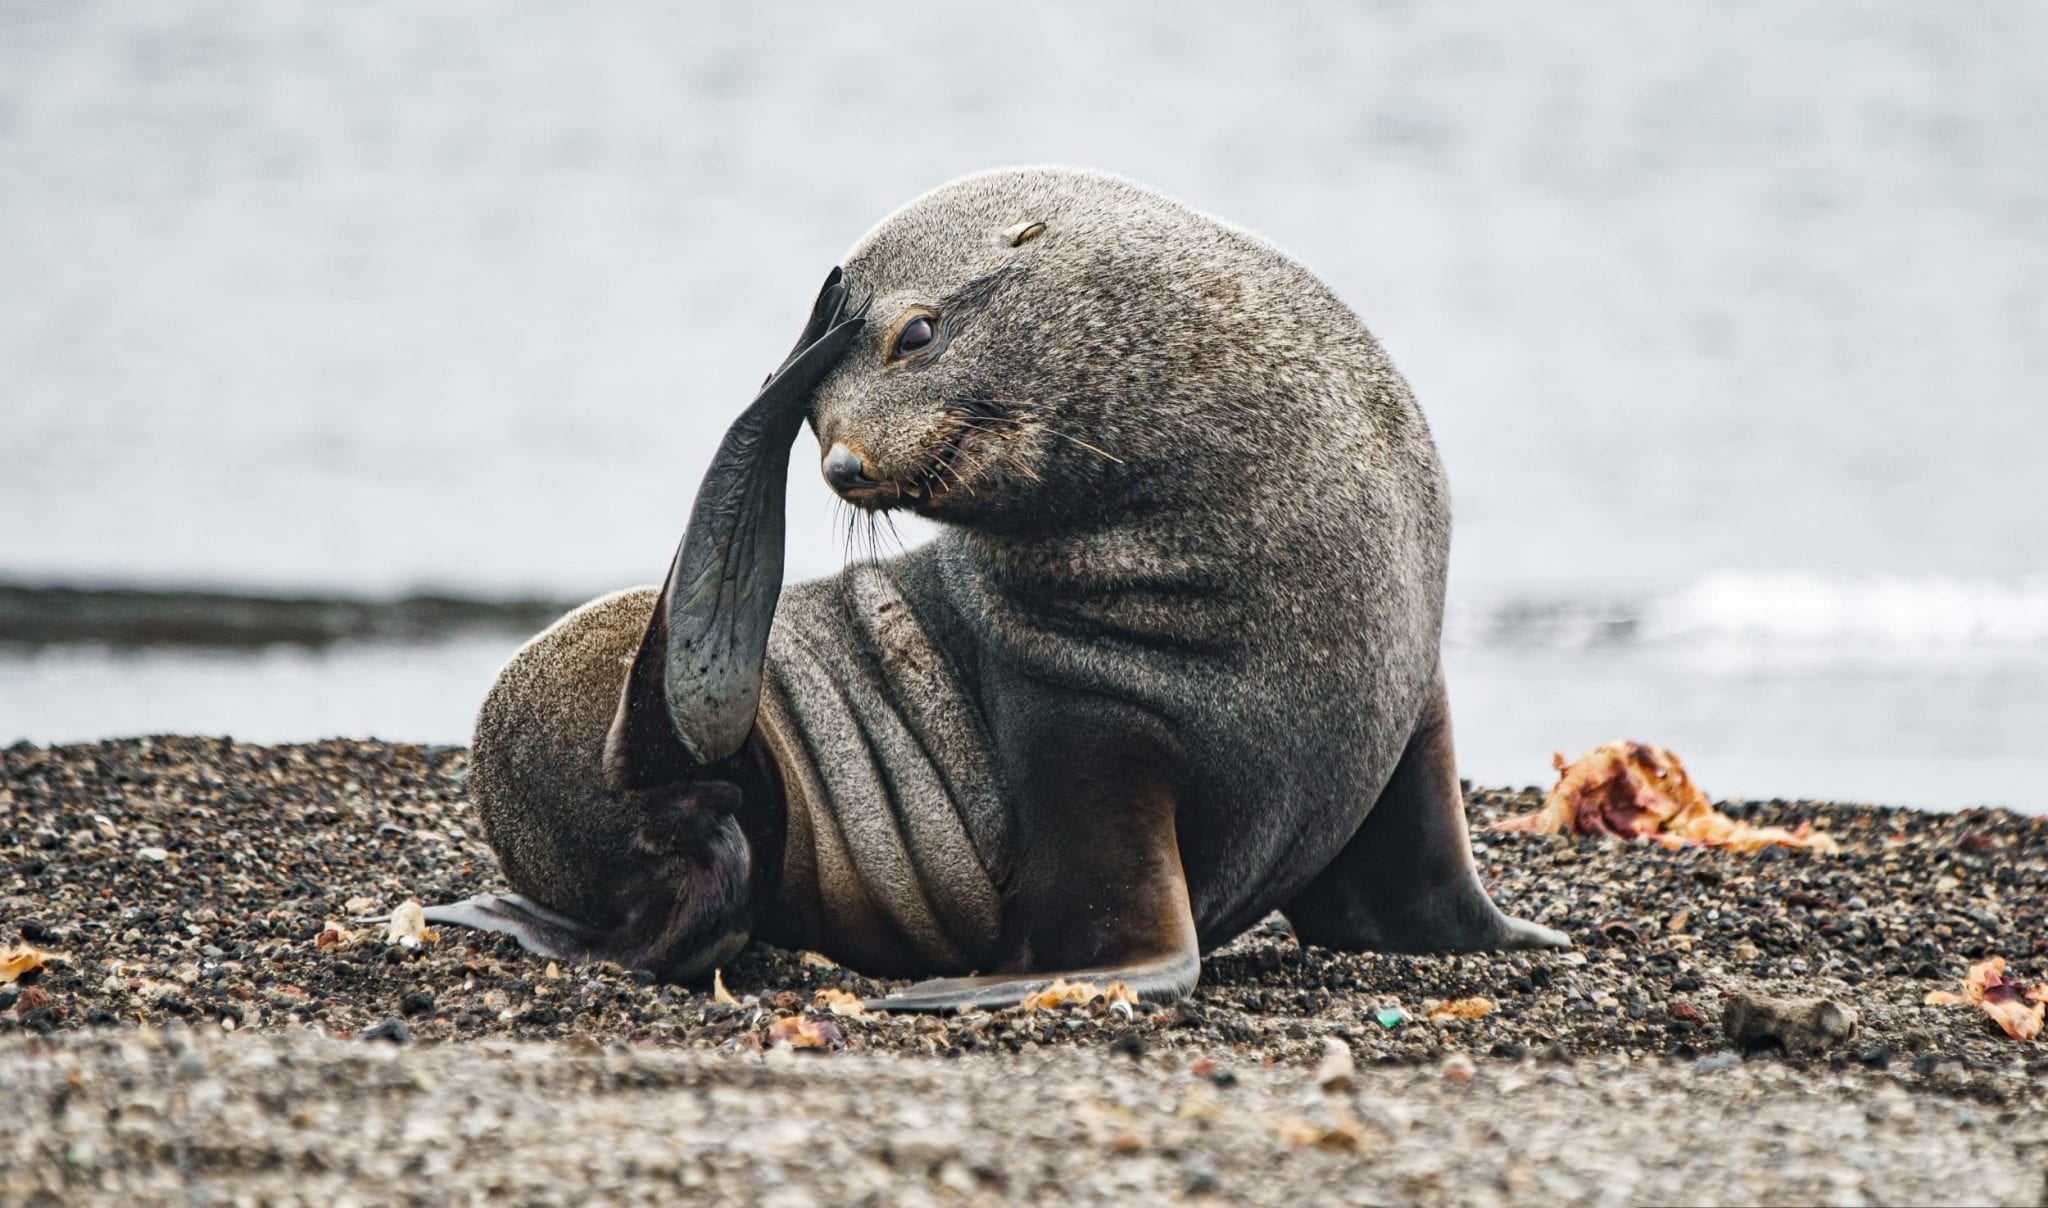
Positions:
{"x": 695, "y": 686}
{"x": 1406, "y": 881}
{"x": 611, "y": 765}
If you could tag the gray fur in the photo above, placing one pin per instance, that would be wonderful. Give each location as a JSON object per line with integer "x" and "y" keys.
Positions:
{"x": 896, "y": 826}
{"x": 1263, "y": 563}
{"x": 1188, "y": 482}
{"x": 535, "y": 761}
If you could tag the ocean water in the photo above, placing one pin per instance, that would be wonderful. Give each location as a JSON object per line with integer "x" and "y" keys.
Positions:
{"x": 1731, "y": 321}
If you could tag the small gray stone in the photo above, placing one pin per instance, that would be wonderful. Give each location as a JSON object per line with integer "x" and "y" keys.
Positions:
{"x": 393, "y": 1030}
{"x": 1799, "y": 1026}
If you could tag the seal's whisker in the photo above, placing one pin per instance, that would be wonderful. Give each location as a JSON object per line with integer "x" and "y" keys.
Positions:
{"x": 940, "y": 465}
{"x": 1020, "y": 465}
{"x": 860, "y": 537}
{"x": 1019, "y": 415}
{"x": 1007, "y": 454}
{"x": 895, "y": 535}
{"x": 982, "y": 465}
{"x": 848, "y": 517}
{"x": 975, "y": 462}
{"x": 874, "y": 530}
{"x": 1084, "y": 444}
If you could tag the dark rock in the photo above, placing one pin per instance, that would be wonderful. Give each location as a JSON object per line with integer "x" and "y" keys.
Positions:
{"x": 1798, "y": 1026}
{"x": 393, "y": 1030}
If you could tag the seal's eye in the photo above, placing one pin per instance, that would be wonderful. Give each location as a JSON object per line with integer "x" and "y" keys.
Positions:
{"x": 916, "y": 336}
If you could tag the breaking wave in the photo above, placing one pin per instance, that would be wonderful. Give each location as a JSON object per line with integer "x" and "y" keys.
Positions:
{"x": 1779, "y": 611}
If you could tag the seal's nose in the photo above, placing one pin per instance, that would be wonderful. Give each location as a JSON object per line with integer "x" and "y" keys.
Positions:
{"x": 845, "y": 471}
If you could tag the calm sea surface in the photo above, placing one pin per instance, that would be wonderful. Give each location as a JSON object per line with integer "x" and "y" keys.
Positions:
{"x": 1732, "y": 322}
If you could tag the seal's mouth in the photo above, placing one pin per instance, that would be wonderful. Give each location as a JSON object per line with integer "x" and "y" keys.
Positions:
{"x": 963, "y": 445}
{"x": 956, "y": 458}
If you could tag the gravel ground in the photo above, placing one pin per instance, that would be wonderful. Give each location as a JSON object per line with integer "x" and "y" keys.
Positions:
{"x": 297, "y": 1117}
{"x": 195, "y": 885}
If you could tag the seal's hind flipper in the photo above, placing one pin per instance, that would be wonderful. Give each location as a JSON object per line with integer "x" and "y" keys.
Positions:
{"x": 1162, "y": 981}
{"x": 539, "y": 930}
{"x": 1406, "y": 881}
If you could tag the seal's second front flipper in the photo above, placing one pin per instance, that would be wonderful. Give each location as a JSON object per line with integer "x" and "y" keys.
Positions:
{"x": 695, "y": 685}
{"x": 1111, "y": 909}
{"x": 1166, "y": 979}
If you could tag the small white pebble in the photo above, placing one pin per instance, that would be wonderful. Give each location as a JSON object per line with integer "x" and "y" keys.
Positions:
{"x": 1337, "y": 1070}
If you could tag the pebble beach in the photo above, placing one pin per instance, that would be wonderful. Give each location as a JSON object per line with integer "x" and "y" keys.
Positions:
{"x": 212, "y": 1018}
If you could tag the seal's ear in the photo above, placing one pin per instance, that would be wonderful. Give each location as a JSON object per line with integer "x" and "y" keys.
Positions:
{"x": 695, "y": 685}
{"x": 1023, "y": 233}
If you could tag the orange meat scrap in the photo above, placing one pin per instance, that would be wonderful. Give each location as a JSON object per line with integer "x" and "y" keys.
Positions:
{"x": 839, "y": 1002}
{"x": 20, "y": 960}
{"x": 803, "y": 1032}
{"x": 1062, "y": 992}
{"x": 2015, "y": 1008}
{"x": 1477, "y": 1007}
{"x": 407, "y": 926}
{"x": 1635, "y": 790}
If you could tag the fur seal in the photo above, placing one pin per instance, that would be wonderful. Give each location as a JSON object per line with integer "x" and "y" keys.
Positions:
{"x": 1171, "y": 664}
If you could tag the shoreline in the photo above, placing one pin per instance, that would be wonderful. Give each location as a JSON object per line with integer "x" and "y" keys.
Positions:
{"x": 38, "y": 616}
{"x": 192, "y": 884}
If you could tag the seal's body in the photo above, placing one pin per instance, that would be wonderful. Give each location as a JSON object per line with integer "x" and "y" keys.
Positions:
{"x": 1170, "y": 665}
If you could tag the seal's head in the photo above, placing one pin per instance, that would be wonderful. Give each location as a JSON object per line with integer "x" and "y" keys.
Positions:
{"x": 1044, "y": 343}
